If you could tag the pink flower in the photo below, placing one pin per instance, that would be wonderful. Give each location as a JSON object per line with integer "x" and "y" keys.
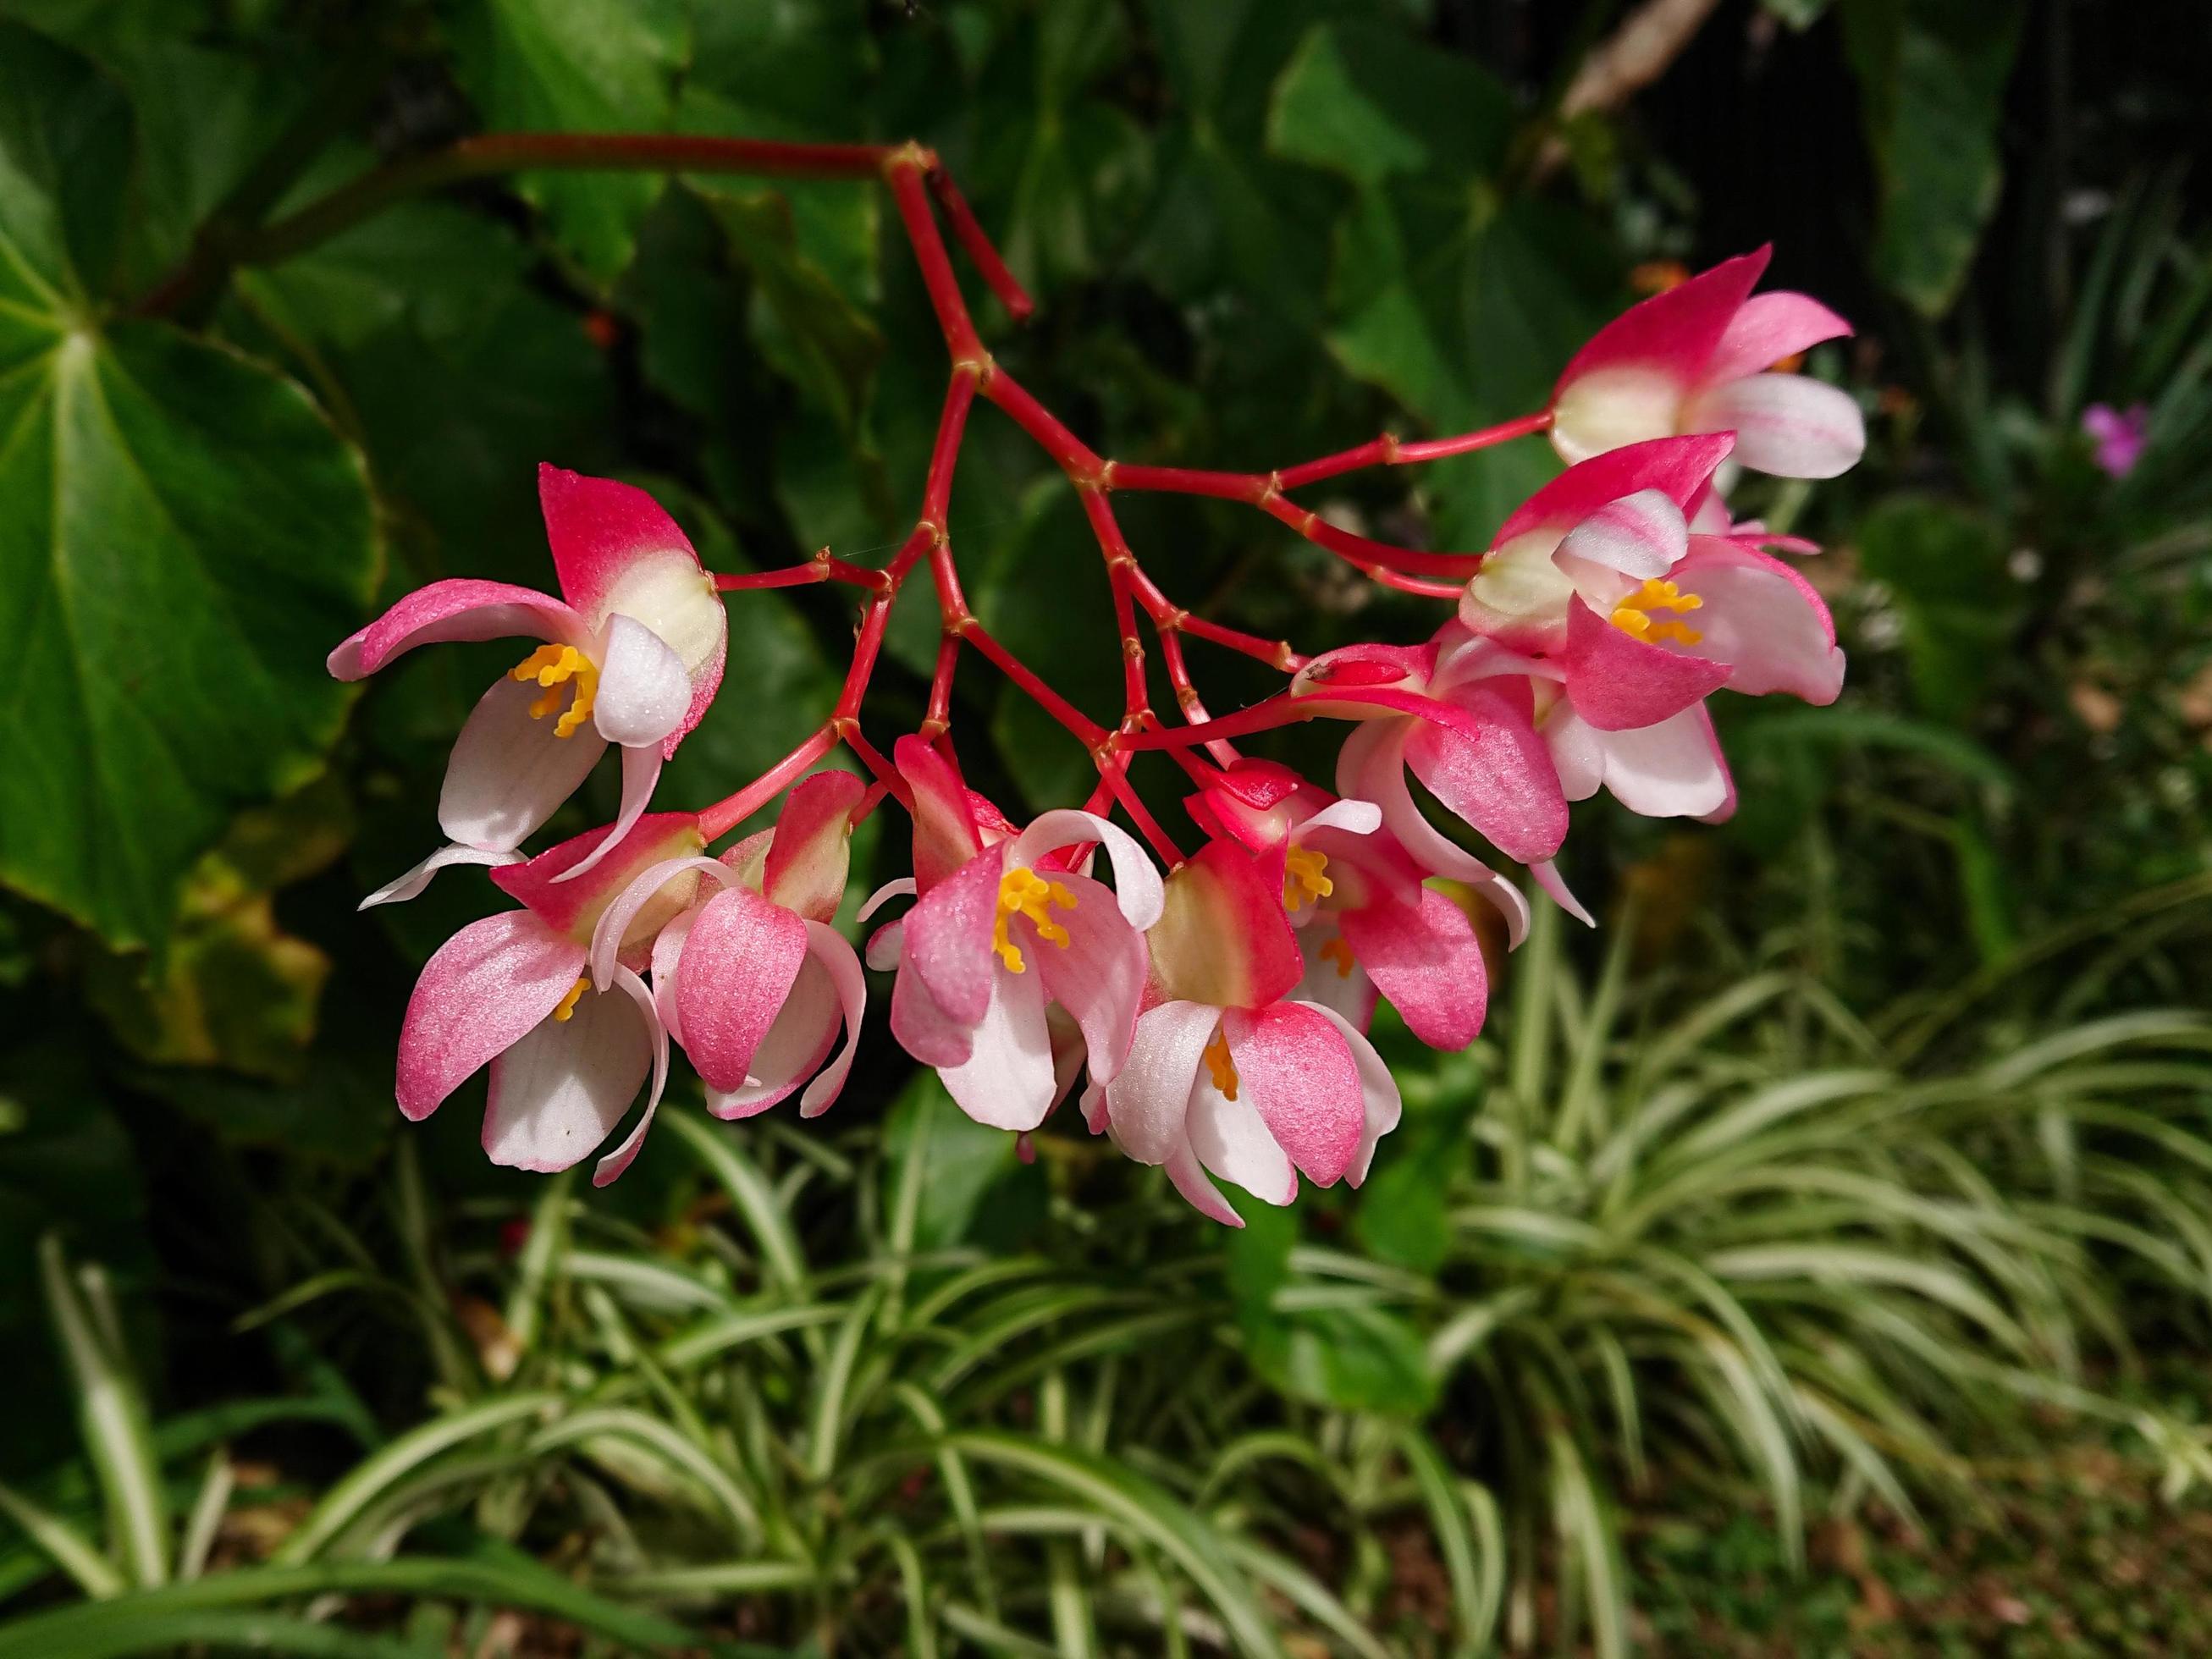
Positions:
{"x": 633, "y": 654}
{"x": 511, "y": 990}
{"x": 1472, "y": 741}
{"x": 1599, "y": 571}
{"x": 1005, "y": 927}
{"x": 1228, "y": 1075}
{"x": 748, "y": 975}
{"x": 2119, "y": 437}
{"x": 1365, "y": 921}
{"x": 1694, "y": 359}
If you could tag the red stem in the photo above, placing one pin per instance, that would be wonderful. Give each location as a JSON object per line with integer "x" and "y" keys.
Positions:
{"x": 1085, "y": 730}
{"x": 821, "y": 568}
{"x": 1262, "y": 716}
{"x": 904, "y": 171}
{"x": 977, "y": 247}
{"x": 726, "y": 815}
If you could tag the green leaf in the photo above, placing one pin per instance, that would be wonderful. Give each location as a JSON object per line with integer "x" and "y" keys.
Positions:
{"x": 1945, "y": 565}
{"x": 1931, "y": 77}
{"x": 182, "y": 537}
{"x": 1369, "y": 101}
{"x": 578, "y": 66}
{"x": 965, "y": 1180}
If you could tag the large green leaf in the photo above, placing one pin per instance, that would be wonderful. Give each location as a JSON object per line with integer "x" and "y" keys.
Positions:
{"x": 182, "y": 537}
{"x": 1932, "y": 75}
{"x": 578, "y": 66}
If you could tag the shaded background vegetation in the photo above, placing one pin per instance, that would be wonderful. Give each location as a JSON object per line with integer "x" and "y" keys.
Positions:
{"x": 1862, "y": 1153}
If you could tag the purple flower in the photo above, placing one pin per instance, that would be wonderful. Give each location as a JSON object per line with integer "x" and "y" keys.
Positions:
{"x": 2119, "y": 436}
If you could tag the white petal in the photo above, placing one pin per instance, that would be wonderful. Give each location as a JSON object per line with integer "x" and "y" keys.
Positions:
{"x": 904, "y": 887}
{"x": 400, "y": 888}
{"x": 509, "y": 772}
{"x": 640, "y": 771}
{"x": 1232, "y": 1142}
{"x": 611, "y": 1166}
{"x": 1149, "y": 1098}
{"x": 643, "y": 692}
{"x": 1007, "y": 1081}
{"x": 830, "y": 949}
{"x": 1786, "y": 424}
{"x": 1137, "y": 885}
{"x": 610, "y": 934}
{"x": 1354, "y": 818}
{"x": 1639, "y": 536}
{"x": 560, "y": 1091}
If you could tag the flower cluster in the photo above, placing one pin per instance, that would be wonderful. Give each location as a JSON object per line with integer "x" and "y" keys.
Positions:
{"x": 1214, "y": 1006}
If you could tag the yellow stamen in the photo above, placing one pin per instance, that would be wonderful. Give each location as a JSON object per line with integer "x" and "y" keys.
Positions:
{"x": 568, "y": 1008}
{"x": 553, "y": 667}
{"x": 1338, "y": 951}
{"x": 1303, "y": 880}
{"x": 1633, "y": 616}
{"x": 1025, "y": 893}
{"x": 1223, "y": 1067}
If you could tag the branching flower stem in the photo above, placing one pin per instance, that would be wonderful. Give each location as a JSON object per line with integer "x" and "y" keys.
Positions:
{"x": 921, "y": 189}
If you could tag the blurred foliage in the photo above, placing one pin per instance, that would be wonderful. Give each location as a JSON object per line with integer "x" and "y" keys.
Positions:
{"x": 1876, "y": 1127}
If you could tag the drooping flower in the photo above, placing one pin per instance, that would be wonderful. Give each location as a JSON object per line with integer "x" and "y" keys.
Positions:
{"x": 1228, "y": 1075}
{"x": 511, "y": 991}
{"x": 749, "y": 977}
{"x": 1006, "y": 925}
{"x": 1365, "y": 921}
{"x": 632, "y": 655}
{"x": 2119, "y": 436}
{"x": 1700, "y": 357}
{"x": 1472, "y": 743}
{"x": 1600, "y": 571}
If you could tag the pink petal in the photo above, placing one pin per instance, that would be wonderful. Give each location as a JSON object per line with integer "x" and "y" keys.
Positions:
{"x": 561, "y": 1091}
{"x": 794, "y": 1047}
{"x": 945, "y": 835}
{"x": 640, "y": 771}
{"x": 1677, "y": 332}
{"x": 1188, "y": 1175}
{"x": 1231, "y": 1140}
{"x": 1616, "y": 681}
{"x": 408, "y": 886}
{"x": 923, "y": 1029}
{"x": 736, "y": 972}
{"x": 483, "y": 990}
{"x": 830, "y": 950}
{"x": 1425, "y": 958}
{"x": 1137, "y": 888}
{"x": 811, "y": 851}
{"x": 1639, "y": 535}
{"x": 1494, "y": 772}
{"x": 1678, "y": 468}
{"x": 1222, "y": 938}
{"x": 1785, "y": 425}
{"x": 572, "y": 907}
{"x": 509, "y": 772}
{"x": 1373, "y": 764}
{"x": 1301, "y": 1079}
{"x": 1768, "y": 328}
{"x": 610, "y": 1166}
{"x": 1764, "y": 620}
{"x": 1381, "y": 1107}
{"x": 1147, "y": 1101}
{"x": 1099, "y": 976}
{"x": 948, "y": 937}
{"x": 463, "y": 608}
{"x": 643, "y": 692}
{"x": 600, "y": 530}
{"x": 1006, "y": 1081}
